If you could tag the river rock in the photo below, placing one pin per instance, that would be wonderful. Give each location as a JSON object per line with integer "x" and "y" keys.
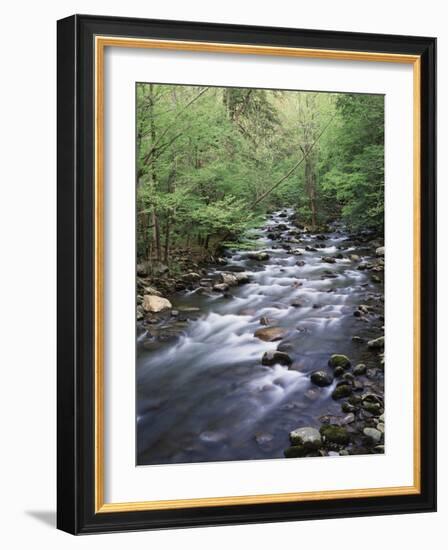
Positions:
{"x": 191, "y": 277}
{"x": 155, "y": 304}
{"x": 221, "y": 287}
{"x": 276, "y": 358}
{"x": 229, "y": 279}
{"x": 348, "y": 377}
{"x": 235, "y": 268}
{"x": 270, "y": 334}
{"x": 285, "y": 346}
{"x": 142, "y": 269}
{"x": 371, "y": 396}
{"x": 348, "y": 419}
{"x": 359, "y": 370}
{"x": 259, "y": 256}
{"x": 355, "y": 399}
{"x": 347, "y": 407}
{"x": 373, "y": 435}
{"x": 380, "y": 251}
{"x": 337, "y": 360}
{"x": 328, "y": 260}
{"x": 296, "y": 451}
{"x": 371, "y": 407}
{"x": 321, "y": 378}
{"x": 335, "y": 434}
{"x": 378, "y": 343}
{"x": 151, "y": 290}
{"x": 341, "y": 391}
{"x": 221, "y": 261}
{"x": 338, "y": 371}
{"x": 242, "y": 278}
{"x": 310, "y": 438}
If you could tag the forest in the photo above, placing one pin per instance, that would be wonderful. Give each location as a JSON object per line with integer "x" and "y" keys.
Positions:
{"x": 260, "y": 273}
{"x": 212, "y": 161}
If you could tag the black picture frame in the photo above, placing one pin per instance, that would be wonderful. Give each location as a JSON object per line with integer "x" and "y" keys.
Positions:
{"x": 76, "y": 263}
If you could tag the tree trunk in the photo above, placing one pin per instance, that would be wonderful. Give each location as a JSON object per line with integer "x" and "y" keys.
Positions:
{"x": 156, "y": 235}
{"x": 155, "y": 221}
{"x": 310, "y": 183}
{"x": 167, "y": 240}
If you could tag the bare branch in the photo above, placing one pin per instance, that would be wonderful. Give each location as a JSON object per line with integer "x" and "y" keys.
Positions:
{"x": 294, "y": 168}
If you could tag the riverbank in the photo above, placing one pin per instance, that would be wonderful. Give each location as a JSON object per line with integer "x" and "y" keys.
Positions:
{"x": 265, "y": 353}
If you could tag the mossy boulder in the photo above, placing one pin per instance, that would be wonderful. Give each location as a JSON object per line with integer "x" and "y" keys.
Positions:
{"x": 355, "y": 399}
{"x": 360, "y": 369}
{"x": 307, "y": 437}
{"x": 321, "y": 378}
{"x": 341, "y": 391}
{"x": 347, "y": 407}
{"x": 338, "y": 372}
{"x": 378, "y": 343}
{"x": 259, "y": 256}
{"x": 373, "y": 435}
{"x": 371, "y": 407}
{"x": 295, "y": 451}
{"x": 276, "y": 358}
{"x": 335, "y": 434}
{"x": 337, "y": 360}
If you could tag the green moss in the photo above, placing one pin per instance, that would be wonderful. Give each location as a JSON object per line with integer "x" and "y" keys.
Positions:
{"x": 337, "y": 360}
{"x": 335, "y": 434}
{"x": 360, "y": 369}
{"x": 373, "y": 408}
{"x": 341, "y": 391}
{"x": 295, "y": 451}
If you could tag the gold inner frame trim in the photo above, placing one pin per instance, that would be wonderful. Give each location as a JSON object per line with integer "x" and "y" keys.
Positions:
{"x": 101, "y": 42}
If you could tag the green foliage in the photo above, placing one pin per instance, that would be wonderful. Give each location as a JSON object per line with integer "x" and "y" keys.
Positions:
{"x": 355, "y": 177}
{"x": 205, "y": 156}
{"x": 225, "y": 216}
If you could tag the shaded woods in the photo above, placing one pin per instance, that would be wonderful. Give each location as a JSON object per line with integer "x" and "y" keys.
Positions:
{"x": 212, "y": 160}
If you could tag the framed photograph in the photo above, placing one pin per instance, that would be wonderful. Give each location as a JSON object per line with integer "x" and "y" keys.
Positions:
{"x": 246, "y": 274}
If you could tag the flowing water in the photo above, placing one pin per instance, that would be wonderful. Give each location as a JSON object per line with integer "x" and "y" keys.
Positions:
{"x": 205, "y": 396}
